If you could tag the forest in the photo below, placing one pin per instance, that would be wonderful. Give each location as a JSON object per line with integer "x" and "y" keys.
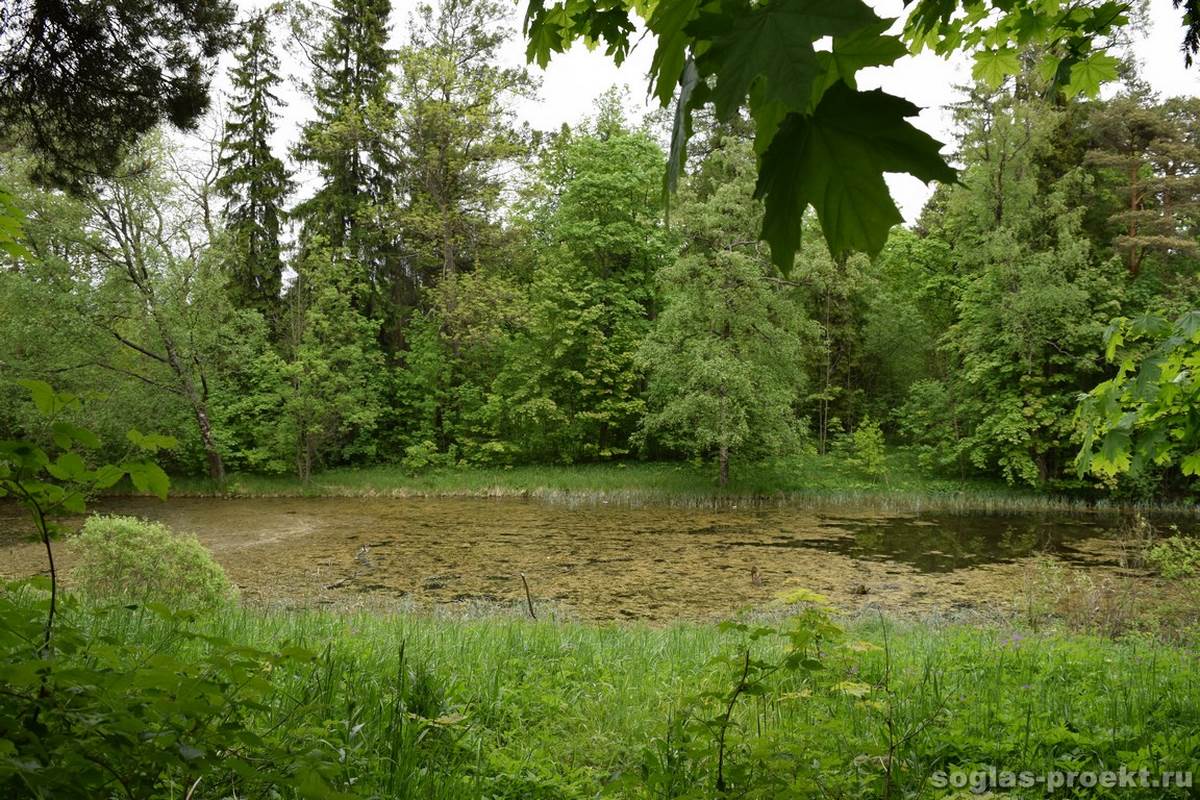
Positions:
{"x": 451, "y": 289}
{"x": 361, "y": 439}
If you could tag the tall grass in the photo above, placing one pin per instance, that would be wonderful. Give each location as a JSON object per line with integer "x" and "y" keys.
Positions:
{"x": 507, "y": 708}
{"x": 808, "y": 481}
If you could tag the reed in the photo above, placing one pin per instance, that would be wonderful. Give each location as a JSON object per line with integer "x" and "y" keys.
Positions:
{"x": 807, "y": 482}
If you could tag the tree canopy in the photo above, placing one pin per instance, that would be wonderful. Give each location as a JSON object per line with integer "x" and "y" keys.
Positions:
{"x": 80, "y": 82}
{"x": 822, "y": 142}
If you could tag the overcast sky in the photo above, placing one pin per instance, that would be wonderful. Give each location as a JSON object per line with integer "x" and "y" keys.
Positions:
{"x": 572, "y": 82}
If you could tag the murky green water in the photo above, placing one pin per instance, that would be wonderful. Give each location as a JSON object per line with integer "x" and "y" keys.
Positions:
{"x": 606, "y": 562}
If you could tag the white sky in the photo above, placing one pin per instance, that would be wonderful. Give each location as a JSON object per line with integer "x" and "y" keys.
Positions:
{"x": 572, "y": 82}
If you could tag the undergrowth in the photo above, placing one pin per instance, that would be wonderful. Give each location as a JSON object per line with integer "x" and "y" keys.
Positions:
{"x": 410, "y": 706}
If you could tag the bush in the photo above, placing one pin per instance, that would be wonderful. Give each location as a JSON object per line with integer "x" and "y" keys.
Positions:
{"x": 869, "y": 451}
{"x": 424, "y": 456}
{"x": 142, "y": 561}
{"x": 1175, "y": 557}
{"x": 101, "y": 717}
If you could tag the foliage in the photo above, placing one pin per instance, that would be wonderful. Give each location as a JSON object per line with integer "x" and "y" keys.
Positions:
{"x": 836, "y": 295}
{"x": 1144, "y": 415}
{"x": 1030, "y": 297}
{"x": 101, "y": 716}
{"x": 253, "y": 180}
{"x": 139, "y": 561}
{"x": 569, "y": 387}
{"x": 705, "y": 747}
{"x": 1069, "y": 42}
{"x": 503, "y": 707}
{"x": 493, "y": 296}
{"x": 869, "y": 448}
{"x": 46, "y": 488}
{"x": 423, "y": 456}
{"x": 1146, "y": 151}
{"x": 11, "y": 230}
{"x": 457, "y": 130}
{"x": 725, "y": 353}
{"x": 823, "y": 142}
{"x": 1175, "y": 557}
{"x": 80, "y": 84}
{"x": 349, "y": 145}
{"x": 929, "y": 421}
{"x": 328, "y": 374}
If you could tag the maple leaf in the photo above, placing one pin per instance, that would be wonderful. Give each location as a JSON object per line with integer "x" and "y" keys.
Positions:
{"x": 993, "y": 66}
{"x": 774, "y": 41}
{"x": 666, "y": 67}
{"x": 1088, "y": 73}
{"x": 834, "y": 159}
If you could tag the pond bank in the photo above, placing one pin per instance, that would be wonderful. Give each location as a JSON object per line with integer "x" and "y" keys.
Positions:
{"x": 808, "y": 482}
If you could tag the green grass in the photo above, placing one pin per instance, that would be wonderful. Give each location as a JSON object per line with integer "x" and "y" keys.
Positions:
{"x": 531, "y": 710}
{"x": 812, "y": 479}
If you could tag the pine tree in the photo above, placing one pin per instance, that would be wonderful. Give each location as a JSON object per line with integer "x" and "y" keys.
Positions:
{"x": 1151, "y": 151}
{"x": 253, "y": 179}
{"x": 350, "y": 145}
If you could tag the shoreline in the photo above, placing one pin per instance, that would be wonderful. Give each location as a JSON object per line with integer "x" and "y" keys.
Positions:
{"x": 813, "y": 482}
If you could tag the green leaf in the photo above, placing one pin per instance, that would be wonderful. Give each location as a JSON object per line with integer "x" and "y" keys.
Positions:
{"x": 65, "y": 434}
{"x": 667, "y": 66}
{"x": 1089, "y": 73}
{"x": 67, "y": 467}
{"x": 12, "y": 220}
{"x": 1114, "y": 455}
{"x": 993, "y": 66}
{"x": 42, "y": 394}
{"x": 108, "y": 475}
{"x": 1190, "y": 464}
{"x": 775, "y": 41}
{"x": 834, "y": 160}
{"x": 74, "y": 503}
{"x": 866, "y": 47}
{"x": 1188, "y": 325}
{"x": 150, "y": 442}
{"x": 545, "y": 33}
{"x": 149, "y": 477}
{"x": 679, "y": 134}
{"x": 1114, "y": 337}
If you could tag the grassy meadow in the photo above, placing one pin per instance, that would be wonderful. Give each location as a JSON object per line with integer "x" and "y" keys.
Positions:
{"x": 421, "y": 707}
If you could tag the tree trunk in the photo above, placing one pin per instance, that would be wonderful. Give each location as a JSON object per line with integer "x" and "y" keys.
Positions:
{"x": 196, "y": 399}
{"x": 216, "y": 467}
{"x": 723, "y": 460}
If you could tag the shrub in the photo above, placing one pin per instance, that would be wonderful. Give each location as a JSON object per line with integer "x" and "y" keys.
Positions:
{"x": 424, "y": 456}
{"x": 869, "y": 452}
{"x": 101, "y": 717}
{"x": 142, "y": 561}
{"x": 1175, "y": 557}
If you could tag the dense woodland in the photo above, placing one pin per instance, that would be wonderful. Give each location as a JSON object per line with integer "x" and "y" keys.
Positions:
{"x": 421, "y": 283}
{"x": 420, "y": 280}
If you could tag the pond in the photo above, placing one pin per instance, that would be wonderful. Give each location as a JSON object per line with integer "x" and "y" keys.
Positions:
{"x": 605, "y": 562}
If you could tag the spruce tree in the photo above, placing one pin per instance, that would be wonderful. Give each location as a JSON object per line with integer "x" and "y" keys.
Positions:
{"x": 253, "y": 180}
{"x": 349, "y": 144}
